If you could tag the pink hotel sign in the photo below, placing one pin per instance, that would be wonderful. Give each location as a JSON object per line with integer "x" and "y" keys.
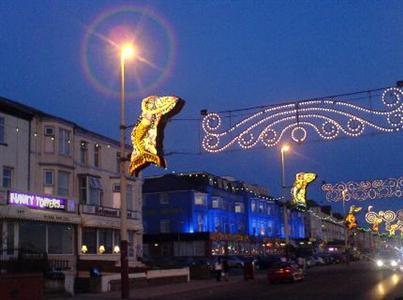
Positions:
{"x": 36, "y": 201}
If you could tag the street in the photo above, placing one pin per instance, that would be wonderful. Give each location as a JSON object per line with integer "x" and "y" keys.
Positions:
{"x": 356, "y": 281}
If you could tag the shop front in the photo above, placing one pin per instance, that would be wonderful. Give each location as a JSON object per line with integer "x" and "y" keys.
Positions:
{"x": 39, "y": 224}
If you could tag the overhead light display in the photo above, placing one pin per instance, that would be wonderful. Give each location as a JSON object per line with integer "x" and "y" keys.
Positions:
{"x": 364, "y": 190}
{"x": 147, "y": 135}
{"x": 298, "y": 190}
{"x": 377, "y": 218}
{"x": 328, "y": 118}
{"x": 350, "y": 220}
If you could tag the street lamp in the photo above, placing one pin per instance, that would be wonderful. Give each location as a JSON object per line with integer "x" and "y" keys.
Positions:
{"x": 285, "y": 148}
{"x": 343, "y": 195}
{"x": 127, "y": 52}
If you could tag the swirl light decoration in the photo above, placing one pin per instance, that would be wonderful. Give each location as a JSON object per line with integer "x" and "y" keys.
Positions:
{"x": 364, "y": 190}
{"x": 377, "y": 218}
{"x": 328, "y": 118}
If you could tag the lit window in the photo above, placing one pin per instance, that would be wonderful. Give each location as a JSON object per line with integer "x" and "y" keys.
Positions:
{"x": 64, "y": 141}
{"x": 105, "y": 237}
{"x": 2, "y": 137}
{"x": 261, "y": 207}
{"x": 63, "y": 182}
{"x": 217, "y": 202}
{"x": 200, "y": 199}
{"x": 7, "y": 177}
{"x": 253, "y": 205}
{"x": 239, "y": 207}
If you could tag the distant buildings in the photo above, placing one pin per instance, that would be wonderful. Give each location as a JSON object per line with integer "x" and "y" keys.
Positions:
{"x": 59, "y": 191}
{"x": 200, "y": 213}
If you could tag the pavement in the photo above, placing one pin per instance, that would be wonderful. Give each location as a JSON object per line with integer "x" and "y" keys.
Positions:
{"x": 357, "y": 281}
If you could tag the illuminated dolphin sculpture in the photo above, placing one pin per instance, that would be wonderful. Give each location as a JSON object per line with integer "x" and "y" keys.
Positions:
{"x": 147, "y": 134}
{"x": 298, "y": 190}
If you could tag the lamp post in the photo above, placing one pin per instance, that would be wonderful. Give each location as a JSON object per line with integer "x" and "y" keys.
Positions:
{"x": 284, "y": 149}
{"x": 126, "y": 53}
{"x": 343, "y": 194}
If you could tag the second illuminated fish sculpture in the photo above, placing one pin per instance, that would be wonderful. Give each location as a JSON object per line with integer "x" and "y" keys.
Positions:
{"x": 147, "y": 134}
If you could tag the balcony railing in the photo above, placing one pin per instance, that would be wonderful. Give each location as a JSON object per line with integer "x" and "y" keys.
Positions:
{"x": 108, "y": 211}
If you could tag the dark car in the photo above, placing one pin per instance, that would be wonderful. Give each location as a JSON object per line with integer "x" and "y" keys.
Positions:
{"x": 284, "y": 272}
{"x": 265, "y": 262}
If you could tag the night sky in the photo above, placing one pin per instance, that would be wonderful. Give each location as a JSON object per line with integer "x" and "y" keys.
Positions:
{"x": 58, "y": 56}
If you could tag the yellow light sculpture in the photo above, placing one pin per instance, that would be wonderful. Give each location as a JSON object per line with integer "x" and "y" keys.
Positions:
{"x": 391, "y": 228}
{"x": 147, "y": 134}
{"x": 350, "y": 220}
{"x": 298, "y": 190}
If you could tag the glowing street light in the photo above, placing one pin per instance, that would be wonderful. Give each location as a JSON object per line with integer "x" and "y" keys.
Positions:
{"x": 127, "y": 52}
{"x": 284, "y": 148}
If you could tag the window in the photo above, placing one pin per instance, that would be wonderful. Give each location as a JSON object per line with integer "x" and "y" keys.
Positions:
{"x": 83, "y": 152}
{"x": 129, "y": 196}
{"x": 64, "y": 141}
{"x": 268, "y": 209}
{"x": 63, "y": 183}
{"x": 7, "y": 177}
{"x": 200, "y": 199}
{"x": 32, "y": 236}
{"x": 261, "y": 207}
{"x": 90, "y": 239}
{"x": 253, "y": 205}
{"x": 48, "y": 182}
{"x": 60, "y": 239}
{"x": 164, "y": 198}
{"x": 97, "y": 154}
{"x": 217, "y": 202}
{"x": 105, "y": 237}
{"x": 49, "y": 139}
{"x": 239, "y": 207}
{"x": 2, "y": 135}
{"x": 164, "y": 226}
{"x": 95, "y": 191}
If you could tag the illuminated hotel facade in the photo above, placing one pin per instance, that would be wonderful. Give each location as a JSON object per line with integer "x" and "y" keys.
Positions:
{"x": 59, "y": 192}
{"x": 200, "y": 214}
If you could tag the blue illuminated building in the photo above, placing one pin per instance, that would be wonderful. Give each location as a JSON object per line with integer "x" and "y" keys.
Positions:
{"x": 202, "y": 202}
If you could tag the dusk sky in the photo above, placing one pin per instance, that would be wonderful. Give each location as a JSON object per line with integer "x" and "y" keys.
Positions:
{"x": 57, "y": 56}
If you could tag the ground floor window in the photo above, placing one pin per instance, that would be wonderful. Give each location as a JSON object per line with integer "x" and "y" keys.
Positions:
{"x": 104, "y": 241}
{"x": 32, "y": 236}
{"x": 89, "y": 240}
{"x": 60, "y": 239}
{"x": 43, "y": 237}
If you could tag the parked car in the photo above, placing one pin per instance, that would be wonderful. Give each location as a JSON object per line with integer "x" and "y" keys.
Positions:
{"x": 234, "y": 261}
{"x": 319, "y": 261}
{"x": 264, "y": 262}
{"x": 310, "y": 261}
{"x": 284, "y": 272}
